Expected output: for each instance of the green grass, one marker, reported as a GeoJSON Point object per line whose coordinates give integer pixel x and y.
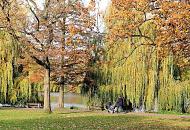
{"type": "Point", "coordinates": [173, 113]}
{"type": "Point", "coordinates": [24, 119]}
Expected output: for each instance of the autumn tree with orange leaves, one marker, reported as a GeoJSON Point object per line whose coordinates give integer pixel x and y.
{"type": "Point", "coordinates": [50, 34]}
{"type": "Point", "coordinates": [78, 27]}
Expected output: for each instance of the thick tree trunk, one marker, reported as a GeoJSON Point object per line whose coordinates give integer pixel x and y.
{"type": "Point", "coordinates": [61, 96]}
{"type": "Point", "coordinates": [61, 87]}
{"type": "Point", "coordinates": [47, 105]}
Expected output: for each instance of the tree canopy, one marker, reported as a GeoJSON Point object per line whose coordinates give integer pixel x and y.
{"type": "Point", "coordinates": [143, 53]}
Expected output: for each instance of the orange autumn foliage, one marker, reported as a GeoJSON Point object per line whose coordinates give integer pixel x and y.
{"type": "Point", "coordinates": [170, 20]}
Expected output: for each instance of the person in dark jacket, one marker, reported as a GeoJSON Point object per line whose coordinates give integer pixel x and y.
{"type": "Point", "coordinates": [119, 104]}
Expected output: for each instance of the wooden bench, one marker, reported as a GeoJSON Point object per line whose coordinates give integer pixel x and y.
{"type": "Point", "coordinates": [34, 105]}
{"type": "Point", "coordinates": [5, 105]}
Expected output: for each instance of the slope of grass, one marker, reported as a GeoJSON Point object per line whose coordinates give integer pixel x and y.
{"type": "Point", "coordinates": [77, 120]}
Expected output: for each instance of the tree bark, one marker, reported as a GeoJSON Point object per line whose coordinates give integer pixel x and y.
{"type": "Point", "coordinates": [157, 86]}
{"type": "Point", "coordinates": [47, 105]}
{"type": "Point", "coordinates": [61, 87]}
{"type": "Point", "coordinates": [147, 78]}
{"type": "Point", "coordinates": [61, 96]}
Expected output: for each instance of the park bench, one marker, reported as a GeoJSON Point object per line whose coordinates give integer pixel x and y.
{"type": "Point", "coordinates": [34, 105]}
{"type": "Point", "coordinates": [5, 105]}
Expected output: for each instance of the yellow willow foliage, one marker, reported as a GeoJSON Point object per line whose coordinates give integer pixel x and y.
{"type": "Point", "coordinates": [138, 74]}
{"type": "Point", "coordinates": [11, 88]}
{"type": "Point", "coordinates": [22, 89]}
{"type": "Point", "coordinates": [6, 61]}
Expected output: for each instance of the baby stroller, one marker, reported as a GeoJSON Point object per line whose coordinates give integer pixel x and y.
{"type": "Point", "coordinates": [110, 108]}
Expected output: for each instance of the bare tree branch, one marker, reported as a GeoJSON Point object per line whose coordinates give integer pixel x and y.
{"type": "Point", "coordinates": [33, 12]}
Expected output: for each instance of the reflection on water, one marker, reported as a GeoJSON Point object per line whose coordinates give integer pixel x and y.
{"type": "Point", "coordinates": [70, 99]}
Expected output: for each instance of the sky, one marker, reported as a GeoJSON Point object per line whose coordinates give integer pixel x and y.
{"type": "Point", "coordinates": [103, 4]}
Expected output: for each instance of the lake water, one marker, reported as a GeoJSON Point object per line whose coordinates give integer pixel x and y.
{"type": "Point", "coordinates": [70, 99]}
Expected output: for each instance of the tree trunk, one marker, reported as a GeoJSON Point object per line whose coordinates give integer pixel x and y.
{"type": "Point", "coordinates": [61, 87]}
{"type": "Point", "coordinates": [147, 78]}
{"type": "Point", "coordinates": [7, 89]}
{"type": "Point", "coordinates": [47, 105]}
{"type": "Point", "coordinates": [157, 86]}
{"type": "Point", "coordinates": [61, 96]}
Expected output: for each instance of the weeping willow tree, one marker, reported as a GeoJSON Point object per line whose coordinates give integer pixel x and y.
{"type": "Point", "coordinates": [15, 86]}
{"type": "Point", "coordinates": [137, 64]}
{"type": "Point", "coordinates": [136, 77]}
{"type": "Point", "coordinates": [8, 57]}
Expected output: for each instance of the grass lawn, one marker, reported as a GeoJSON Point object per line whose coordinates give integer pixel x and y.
{"type": "Point", "coordinates": [30, 119]}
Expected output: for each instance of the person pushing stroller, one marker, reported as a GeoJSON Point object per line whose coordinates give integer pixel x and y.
{"type": "Point", "coordinates": [117, 107]}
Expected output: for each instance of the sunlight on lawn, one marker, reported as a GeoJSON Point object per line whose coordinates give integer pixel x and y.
{"type": "Point", "coordinates": [76, 119]}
